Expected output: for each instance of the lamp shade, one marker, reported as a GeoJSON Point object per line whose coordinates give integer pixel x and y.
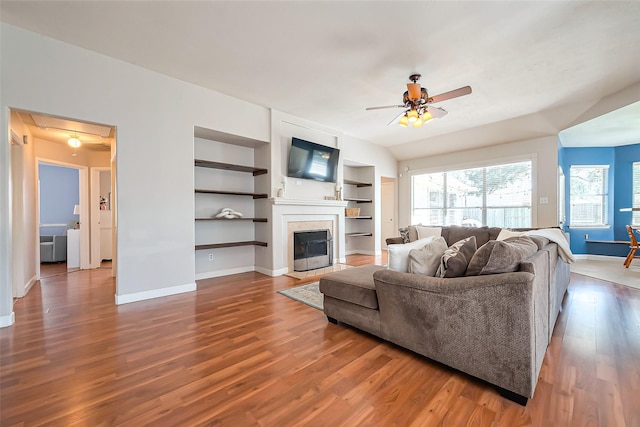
{"type": "Point", "coordinates": [404, 121]}
{"type": "Point", "coordinates": [427, 116]}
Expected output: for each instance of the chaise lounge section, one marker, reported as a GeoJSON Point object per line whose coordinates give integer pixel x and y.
{"type": "Point", "coordinates": [495, 327]}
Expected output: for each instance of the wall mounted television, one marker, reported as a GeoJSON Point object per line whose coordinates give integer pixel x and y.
{"type": "Point", "coordinates": [308, 160]}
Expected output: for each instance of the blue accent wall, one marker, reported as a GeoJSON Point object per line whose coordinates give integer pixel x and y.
{"type": "Point", "coordinates": [59, 193]}
{"type": "Point", "coordinates": [620, 161]}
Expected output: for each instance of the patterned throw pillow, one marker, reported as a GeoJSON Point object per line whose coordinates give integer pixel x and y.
{"type": "Point", "coordinates": [404, 233]}
{"type": "Point", "coordinates": [456, 258]}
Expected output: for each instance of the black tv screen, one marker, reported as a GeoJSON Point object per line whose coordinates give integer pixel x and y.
{"type": "Point", "coordinates": [308, 160]}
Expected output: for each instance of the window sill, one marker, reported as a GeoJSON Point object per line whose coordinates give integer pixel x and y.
{"type": "Point", "coordinates": [571, 227]}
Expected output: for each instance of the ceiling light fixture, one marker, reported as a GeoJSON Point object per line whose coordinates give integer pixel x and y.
{"type": "Point", "coordinates": [74, 142]}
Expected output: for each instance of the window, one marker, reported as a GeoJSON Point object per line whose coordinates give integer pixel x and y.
{"type": "Point", "coordinates": [588, 196]}
{"type": "Point", "coordinates": [636, 192]}
{"type": "Point", "coordinates": [497, 196]}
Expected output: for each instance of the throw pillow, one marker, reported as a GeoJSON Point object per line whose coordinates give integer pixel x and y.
{"type": "Point", "coordinates": [424, 232]}
{"type": "Point", "coordinates": [399, 254]}
{"type": "Point", "coordinates": [426, 260]}
{"type": "Point", "coordinates": [501, 256]}
{"type": "Point", "coordinates": [506, 233]}
{"type": "Point", "coordinates": [404, 234]}
{"type": "Point", "coordinates": [455, 259]}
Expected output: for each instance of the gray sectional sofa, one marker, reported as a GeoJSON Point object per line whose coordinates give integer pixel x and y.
{"type": "Point", "coordinates": [495, 327]}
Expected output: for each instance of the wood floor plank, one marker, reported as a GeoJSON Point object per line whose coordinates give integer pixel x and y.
{"type": "Point", "coordinates": [236, 353]}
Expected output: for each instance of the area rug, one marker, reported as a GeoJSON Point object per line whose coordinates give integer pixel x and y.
{"type": "Point", "coordinates": [610, 270]}
{"type": "Point", "coordinates": [317, 272]}
{"type": "Point", "coordinates": [307, 294]}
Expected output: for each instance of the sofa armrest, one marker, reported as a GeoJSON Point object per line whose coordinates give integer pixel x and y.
{"type": "Point", "coordinates": [493, 327]}
{"type": "Point", "coordinates": [394, 241]}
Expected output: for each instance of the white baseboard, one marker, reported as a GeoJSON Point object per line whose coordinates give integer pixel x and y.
{"type": "Point", "coordinates": [272, 273]}
{"type": "Point", "coordinates": [156, 293]}
{"type": "Point", "coordinates": [596, 257]}
{"type": "Point", "coordinates": [30, 284]}
{"type": "Point", "coordinates": [227, 272]}
{"type": "Point", "coordinates": [7, 320]}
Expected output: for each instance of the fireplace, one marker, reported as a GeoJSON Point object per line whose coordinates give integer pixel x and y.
{"type": "Point", "coordinates": [312, 249]}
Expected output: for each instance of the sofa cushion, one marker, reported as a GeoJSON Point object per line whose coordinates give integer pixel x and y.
{"type": "Point", "coordinates": [424, 232]}
{"type": "Point", "coordinates": [398, 255]}
{"type": "Point", "coordinates": [426, 260]}
{"type": "Point", "coordinates": [354, 285]}
{"type": "Point", "coordinates": [455, 259]}
{"type": "Point", "coordinates": [457, 233]}
{"type": "Point", "coordinates": [501, 256]}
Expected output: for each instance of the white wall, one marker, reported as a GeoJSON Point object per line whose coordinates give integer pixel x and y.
{"type": "Point", "coordinates": [283, 127]}
{"type": "Point", "coordinates": [543, 152]}
{"type": "Point", "coordinates": [25, 230]}
{"type": "Point", "coordinates": [155, 117]}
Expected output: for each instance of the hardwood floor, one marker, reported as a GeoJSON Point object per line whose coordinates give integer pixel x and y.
{"type": "Point", "coordinates": [236, 353]}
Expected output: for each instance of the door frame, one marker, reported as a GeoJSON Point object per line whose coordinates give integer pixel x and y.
{"type": "Point", "coordinates": [388, 182]}
{"type": "Point", "coordinates": [94, 210]}
{"type": "Point", "coordinates": [83, 188]}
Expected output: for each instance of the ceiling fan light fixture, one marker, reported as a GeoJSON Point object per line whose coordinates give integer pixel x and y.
{"type": "Point", "coordinates": [426, 117]}
{"type": "Point", "coordinates": [413, 116]}
{"type": "Point", "coordinates": [404, 121]}
{"type": "Point", "coordinates": [74, 142]}
{"type": "Point", "coordinates": [414, 90]}
{"type": "Point", "coordinates": [418, 123]}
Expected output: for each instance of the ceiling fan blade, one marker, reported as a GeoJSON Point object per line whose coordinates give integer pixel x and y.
{"type": "Point", "coordinates": [466, 90]}
{"type": "Point", "coordinates": [383, 107]}
{"type": "Point", "coordinates": [395, 119]}
{"type": "Point", "coordinates": [437, 112]}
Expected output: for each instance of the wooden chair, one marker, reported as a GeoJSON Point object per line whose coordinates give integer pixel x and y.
{"type": "Point", "coordinates": [633, 246]}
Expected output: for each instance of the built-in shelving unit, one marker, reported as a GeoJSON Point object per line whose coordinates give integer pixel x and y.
{"type": "Point", "coordinates": [233, 193]}
{"type": "Point", "coordinates": [227, 175]}
{"type": "Point", "coordinates": [229, 167]}
{"type": "Point", "coordinates": [357, 183]}
{"type": "Point", "coordinates": [354, 199]}
{"type": "Point", "coordinates": [230, 245]}
{"type": "Point", "coordinates": [358, 191]}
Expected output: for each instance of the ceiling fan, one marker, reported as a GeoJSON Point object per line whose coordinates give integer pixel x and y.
{"type": "Point", "coordinates": [417, 103]}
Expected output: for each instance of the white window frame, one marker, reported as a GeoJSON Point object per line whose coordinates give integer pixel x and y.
{"type": "Point", "coordinates": [483, 165]}
{"type": "Point", "coordinates": [635, 194]}
{"type": "Point", "coordinates": [604, 196]}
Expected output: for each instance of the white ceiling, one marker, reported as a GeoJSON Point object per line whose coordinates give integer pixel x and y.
{"type": "Point", "coordinates": [327, 61]}
{"type": "Point", "coordinates": [93, 136]}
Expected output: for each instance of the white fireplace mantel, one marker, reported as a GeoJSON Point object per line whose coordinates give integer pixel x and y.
{"type": "Point", "coordinates": [285, 210]}
{"type": "Point", "coordinates": [304, 202]}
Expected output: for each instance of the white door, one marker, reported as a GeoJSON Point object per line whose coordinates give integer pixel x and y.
{"type": "Point", "coordinates": [388, 228]}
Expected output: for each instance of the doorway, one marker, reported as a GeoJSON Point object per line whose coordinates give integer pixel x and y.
{"type": "Point", "coordinates": [65, 143]}
{"type": "Point", "coordinates": [60, 200]}
{"type": "Point", "coordinates": [389, 210]}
